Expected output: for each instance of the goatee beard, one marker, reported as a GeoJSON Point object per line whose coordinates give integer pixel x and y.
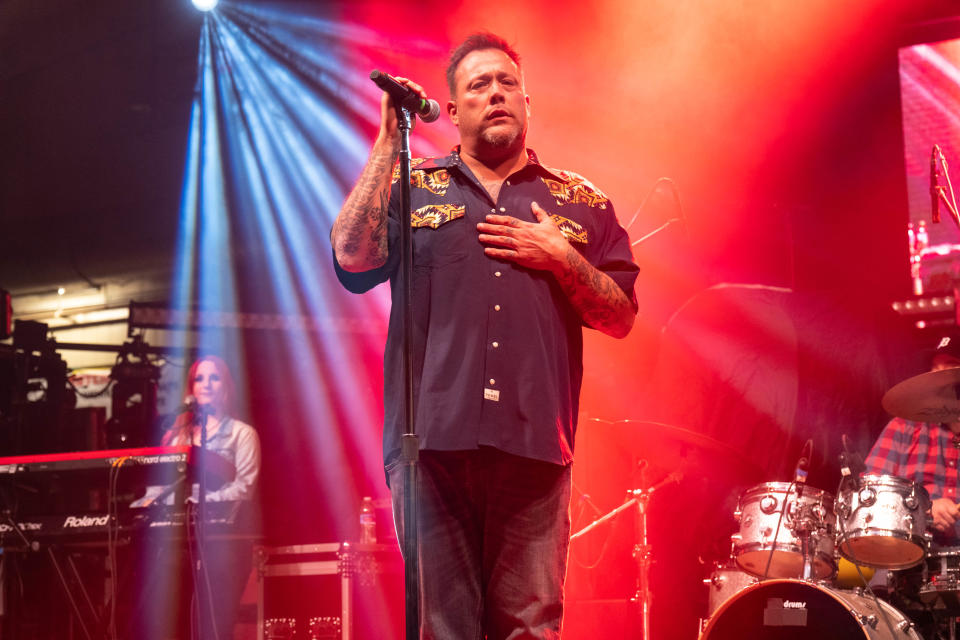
{"type": "Point", "coordinates": [501, 140]}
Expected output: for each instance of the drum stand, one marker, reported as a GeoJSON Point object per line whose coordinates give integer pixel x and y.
{"type": "Point", "coordinates": [641, 554]}
{"type": "Point", "coordinates": [807, 574]}
{"type": "Point", "coordinates": [805, 524]}
{"type": "Point", "coordinates": [641, 550]}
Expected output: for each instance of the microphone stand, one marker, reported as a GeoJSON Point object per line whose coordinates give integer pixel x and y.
{"type": "Point", "coordinates": [409, 442]}
{"type": "Point", "coordinates": [642, 550]}
{"type": "Point", "coordinates": [941, 193]}
{"type": "Point", "coordinates": [200, 568]}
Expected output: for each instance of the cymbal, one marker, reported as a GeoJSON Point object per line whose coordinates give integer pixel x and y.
{"type": "Point", "coordinates": [929, 397]}
{"type": "Point", "coordinates": [668, 448]}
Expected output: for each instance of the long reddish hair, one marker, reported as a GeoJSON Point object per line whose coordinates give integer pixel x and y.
{"type": "Point", "coordinates": [180, 431]}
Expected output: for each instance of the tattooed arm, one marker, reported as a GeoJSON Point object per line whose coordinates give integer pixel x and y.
{"type": "Point", "coordinates": [359, 234]}
{"type": "Point", "coordinates": [601, 303]}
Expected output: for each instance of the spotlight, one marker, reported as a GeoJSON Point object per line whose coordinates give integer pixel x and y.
{"type": "Point", "coordinates": [205, 5]}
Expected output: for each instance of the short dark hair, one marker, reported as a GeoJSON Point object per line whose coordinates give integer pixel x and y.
{"type": "Point", "coordinates": [477, 42]}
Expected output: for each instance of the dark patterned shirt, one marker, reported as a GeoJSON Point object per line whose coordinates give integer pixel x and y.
{"type": "Point", "coordinates": [497, 348]}
{"type": "Point", "coordinates": [923, 452]}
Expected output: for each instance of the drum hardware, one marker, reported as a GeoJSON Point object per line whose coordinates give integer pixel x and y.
{"type": "Point", "coordinates": [940, 587]}
{"type": "Point", "coordinates": [677, 448]}
{"type": "Point", "coordinates": [932, 589]}
{"type": "Point", "coordinates": [811, 520]}
{"type": "Point", "coordinates": [639, 498]}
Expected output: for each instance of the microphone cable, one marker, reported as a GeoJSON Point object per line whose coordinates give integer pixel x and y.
{"type": "Point", "coordinates": [675, 191]}
{"type": "Point", "coordinates": [776, 533]}
{"type": "Point", "coordinates": [583, 502]}
{"type": "Point", "coordinates": [799, 479]}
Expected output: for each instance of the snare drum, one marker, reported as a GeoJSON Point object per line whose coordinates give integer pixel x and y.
{"type": "Point", "coordinates": [795, 609]}
{"type": "Point", "coordinates": [883, 522]}
{"type": "Point", "coordinates": [760, 541]}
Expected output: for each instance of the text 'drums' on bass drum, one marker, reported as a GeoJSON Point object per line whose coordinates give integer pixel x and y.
{"type": "Point", "coordinates": [798, 610]}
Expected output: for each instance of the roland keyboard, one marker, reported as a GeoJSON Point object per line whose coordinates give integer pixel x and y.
{"type": "Point", "coordinates": [223, 520]}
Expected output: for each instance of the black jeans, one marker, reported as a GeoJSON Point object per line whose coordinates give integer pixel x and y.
{"type": "Point", "coordinates": [494, 533]}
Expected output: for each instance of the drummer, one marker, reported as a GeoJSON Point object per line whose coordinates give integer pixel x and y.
{"type": "Point", "coordinates": [927, 453]}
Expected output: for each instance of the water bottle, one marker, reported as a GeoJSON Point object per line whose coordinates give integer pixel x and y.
{"type": "Point", "coordinates": [914, 260]}
{"type": "Point", "coordinates": [368, 521]}
{"type": "Point", "coordinates": [922, 242]}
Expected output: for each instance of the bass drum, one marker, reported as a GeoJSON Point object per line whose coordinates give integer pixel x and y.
{"type": "Point", "coordinates": [798, 610]}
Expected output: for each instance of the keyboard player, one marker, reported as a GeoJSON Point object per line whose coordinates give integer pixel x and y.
{"type": "Point", "coordinates": [228, 562]}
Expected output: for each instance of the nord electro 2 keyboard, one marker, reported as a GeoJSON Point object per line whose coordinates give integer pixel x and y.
{"type": "Point", "coordinates": [36, 477]}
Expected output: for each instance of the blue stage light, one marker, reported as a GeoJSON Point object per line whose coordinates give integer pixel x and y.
{"type": "Point", "coordinates": [281, 126]}
{"type": "Point", "coordinates": [205, 5]}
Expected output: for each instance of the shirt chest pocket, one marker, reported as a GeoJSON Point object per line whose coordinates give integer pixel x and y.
{"type": "Point", "coordinates": [440, 234]}
{"type": "Point", "coordinates": [575, 233]}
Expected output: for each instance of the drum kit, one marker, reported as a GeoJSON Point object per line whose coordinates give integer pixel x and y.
{"type": "Point", "coordinates": [788, 550]}
{"type": "Point", "coordinates": [783, 578]}
{"type": "Point", "coordinates": [808, 564]}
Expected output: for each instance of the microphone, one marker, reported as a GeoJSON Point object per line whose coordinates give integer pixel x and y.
{"type": "Point", "coordinates": [428, 110]}
{"type": "Point", "coordinates": [189, 405]}
{"type": "Point", "coordinates": [800, 473]}
{"type": "Point", "coordinates": [934, 180]}
{"type": "Point", "coordinates": [854, 463]}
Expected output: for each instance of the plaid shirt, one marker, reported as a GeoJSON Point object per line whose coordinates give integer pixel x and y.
{"type": "Point", "coordinates": [923, 452]}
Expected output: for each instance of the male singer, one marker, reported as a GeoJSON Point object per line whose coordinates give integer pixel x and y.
{"type": "Point", "coordinates": [511, 258]}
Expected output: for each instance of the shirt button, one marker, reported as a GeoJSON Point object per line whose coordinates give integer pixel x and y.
{"type": "Point", "coordinates": [496, 307]}
{"type": "Point", "coordinates": [496, 273]}
{"type": "Point", "coordinates": [493, 210]}
{"type": "Point", "coordinates": [507, 182]}
{"type": "Point", "coordinates": [492, 381]}
{"type": "Point", "coordinates": [496, 344]}
{"type": "Point", "coordinates": [503, 209]}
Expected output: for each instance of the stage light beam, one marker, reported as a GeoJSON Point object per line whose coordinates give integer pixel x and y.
{"type": "Point", "coordinates": [205, 5]}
